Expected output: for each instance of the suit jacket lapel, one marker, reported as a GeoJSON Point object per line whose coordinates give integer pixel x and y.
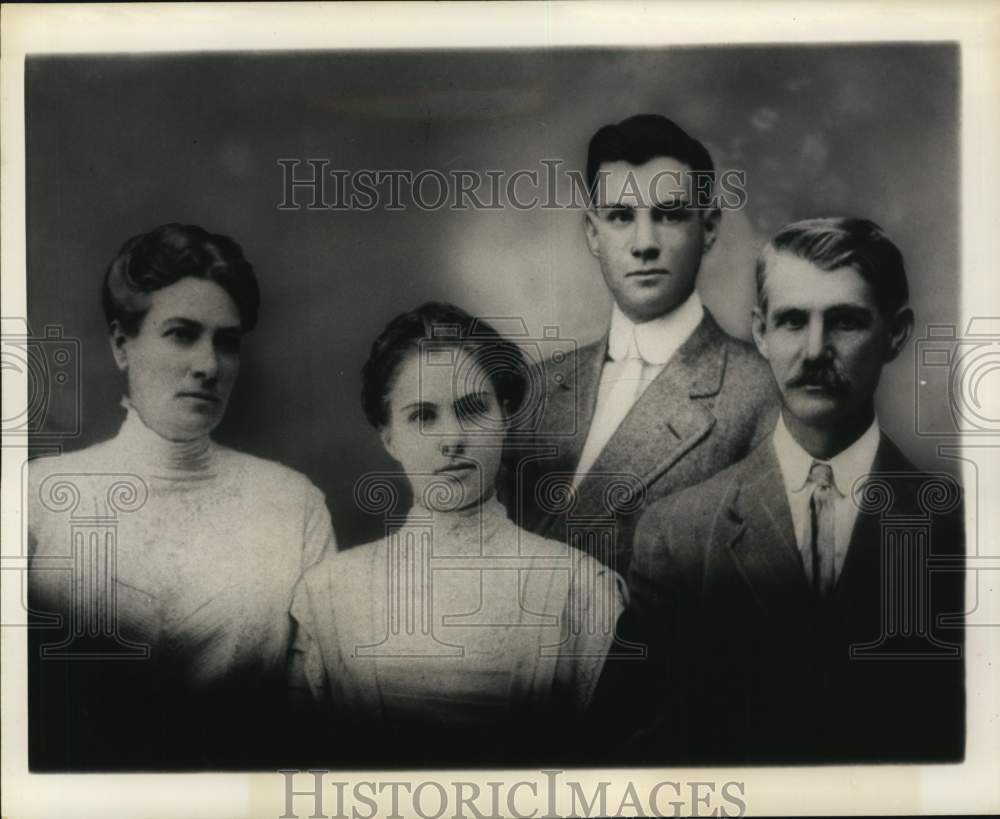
{"type": "Point", "coordinates": [571, 402]}
{"type": "Point", "coordinates": [671, 416]}
{"type": "Point", "coordinates": [860, 577]}
{"type": "Point", "coordinates": [760, 535]}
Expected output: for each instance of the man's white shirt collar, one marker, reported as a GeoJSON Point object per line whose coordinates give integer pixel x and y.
{"type": "Point", "coordinates": [657, 339]}
{"type": "Point", "coordinates": [847, 465]}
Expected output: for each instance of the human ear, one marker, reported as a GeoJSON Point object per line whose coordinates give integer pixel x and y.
{"type": "Point", "coordinates": [119, 348]}
{"type": "Point", "coordinates": [385, 433]}
{"type": "Point", "coordinates": [590, 227]}
{"type": "Point", "coordinates": [900, 328]}
{"type": "Point", "coordinates": [758, 323]}
{"type": "Point", "coordinates": [710, 221]}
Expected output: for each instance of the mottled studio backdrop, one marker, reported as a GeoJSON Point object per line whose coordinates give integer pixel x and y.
{"type": "Point", "coordinates": [117, 145]}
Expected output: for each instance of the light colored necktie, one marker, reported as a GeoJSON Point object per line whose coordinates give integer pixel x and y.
{"type": "Point", "coordinates": [620, 398]}
{"type": "Point", "coordinates": [823, 542]}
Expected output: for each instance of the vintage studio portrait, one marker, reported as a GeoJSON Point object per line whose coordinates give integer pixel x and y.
{"type": "Point", "coordinates": [416, 409]}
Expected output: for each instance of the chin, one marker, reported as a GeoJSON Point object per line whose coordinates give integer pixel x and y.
{"type": "Point", "coordinates": [816, 411]}
{"type": "Point", "coordinates": [649, 309]}
{"type": "Point", "coordinates": [190, 431]}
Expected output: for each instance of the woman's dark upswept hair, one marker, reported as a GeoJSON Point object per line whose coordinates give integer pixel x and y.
{"type": "Point", "coordinates": [151, 261]}
{"type": "Point", "coordinates": [443, 325]}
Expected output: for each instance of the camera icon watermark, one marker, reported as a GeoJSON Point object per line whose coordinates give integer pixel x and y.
{"type": "Point", "coordinates": [541, 362]}
{"type": "Point", "coordinates": [50, 363]}
{"type": "Point", "coordinates": [958, 379]}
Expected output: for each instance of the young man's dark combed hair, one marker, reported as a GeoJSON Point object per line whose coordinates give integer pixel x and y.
{"type": "Point", "coordinates": [643, 137]}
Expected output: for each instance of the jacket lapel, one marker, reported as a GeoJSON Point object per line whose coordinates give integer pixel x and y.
{"type": "Point", "coordinates": [571, 401]}
{"type": "Point", "coordinates": [671, 416]}
{"type": "Point", "coordinates": [759, 534]}
{"type": "Point", "coordinates": [860, 577]}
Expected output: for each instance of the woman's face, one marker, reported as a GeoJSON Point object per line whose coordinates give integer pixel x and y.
{"type": "Point", "coordinates": [445, 427]}
{"type": "Point", "coordinates": [182, 364]}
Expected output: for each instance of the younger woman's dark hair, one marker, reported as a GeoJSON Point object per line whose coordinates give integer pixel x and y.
{"type": "Point", "coordinates": [441, 326]}
{"type": "Point", "coordinates": [167, 254]}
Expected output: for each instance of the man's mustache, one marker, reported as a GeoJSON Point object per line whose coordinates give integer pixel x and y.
{"type": "Point", "coordinates": [819, 375]}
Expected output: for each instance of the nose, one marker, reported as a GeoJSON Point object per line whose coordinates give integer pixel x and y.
{"type": "Point", "coordinates": [205, 361]}
{"type": "Point", "coordinates": [452, 448]}
{"type": "Point", "coordinates": [645, 244]}
{"type": "Point", "coordinates": [453, 438]}
{"type": "Point", "coordinates": [816, 346]}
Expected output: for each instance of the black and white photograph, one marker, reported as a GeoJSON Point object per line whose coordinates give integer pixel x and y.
{"type": "Point", "coordinates": [533, 407]}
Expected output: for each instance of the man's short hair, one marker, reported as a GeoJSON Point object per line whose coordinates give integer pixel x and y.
{"type": "Point", "coordinates": [836, 242]}
{"type": "Point", "coordinates": [638, 139]}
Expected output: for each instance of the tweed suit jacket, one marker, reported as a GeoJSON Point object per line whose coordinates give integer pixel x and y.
{"type": "Point", "coordinates": [711, 402]}
{"type": "Point", "coordinates": [750, 666]}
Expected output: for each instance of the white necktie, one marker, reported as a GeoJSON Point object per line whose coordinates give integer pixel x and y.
{"type": "Point", "coordinates": [613, 407]}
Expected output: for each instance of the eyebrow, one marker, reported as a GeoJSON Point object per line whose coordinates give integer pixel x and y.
{"type": "Point", "coordinates": [471, 395]}
{"type": "Point", "coordinates": [833, 309]}
{"type": "Point", "coordinates": [848, 308]}
{"type": "Point", "coordinates": [227, 328]}
{"type": "Point", "coordinates": [678, 202]}
{"type": "Point", "coordinates": [419, 404]}
{"type": "Point", "coordinates": [673, 203]}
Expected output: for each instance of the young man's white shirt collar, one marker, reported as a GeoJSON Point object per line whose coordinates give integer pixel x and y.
{"type": "Point", "coordinates": [656, 341]}
{"type": "Point", "coordinates": [848, 465]}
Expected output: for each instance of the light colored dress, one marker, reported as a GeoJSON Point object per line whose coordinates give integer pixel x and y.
{"type": "Point", "coordinates": [209, 544]}
{"type": "Point", "coordinates": [179, 557]}
{"type": "Point", "coordinates": [458, 619]}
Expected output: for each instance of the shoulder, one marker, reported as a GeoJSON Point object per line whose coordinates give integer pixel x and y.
{"type": "Point", "coordinates": [912, 489]}
{"type": "Point", "coordinates": [890, 457]}
{"type": "Point", "coordinates": [746, 375]}
{"type": "Point", "coordinates": [692, 501]}
{"type": "Point", "coordinates": [271, 476]}
{"type": "Point", "coordinates": [586, 575]}
{"type": "Point", "coordinates": [345, 569]}
{"type": "Point", "coordinates": [71, 471]}
{"type": "Point", "coordinates": [571, 357]}
{"type": "Point", "coordinates": [746, 367]}
{"type": "Point", "coordinates": [88, 458]}
{"type": "Point", "coordinates": [682, 521]}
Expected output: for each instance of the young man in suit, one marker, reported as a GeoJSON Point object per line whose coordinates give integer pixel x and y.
{"type": "Point", "coordinates": [665, 398]}
{"type": "Point", "coordinates": [797, 604]}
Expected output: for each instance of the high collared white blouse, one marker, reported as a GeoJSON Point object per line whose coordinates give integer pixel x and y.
{"type": "Point", "coordinates": [453, 618]}
{"type": "Point", "coordinates": [207, 545]}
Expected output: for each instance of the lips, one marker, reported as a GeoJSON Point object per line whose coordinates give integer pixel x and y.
{"type": "Point", "coordinates": [821, 386]}
{"type": "Point", "coordinates": [204, 396]}
{"type": "Point", "coordinates": [453, 468]}
{"type": "Point", "coordinates": [653, 271]}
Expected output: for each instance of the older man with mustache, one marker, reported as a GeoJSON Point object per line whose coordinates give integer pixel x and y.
{"type": "Point", "coordinates": [765, 593]}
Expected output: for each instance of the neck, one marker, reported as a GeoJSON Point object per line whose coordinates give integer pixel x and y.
{"type": "Point", "coordinates": [824, 443]}
{"type": "Point", "coordinates": [160, 457]}
{"type": "Point", "coordinates": [484, 503]}
{"type": "Point", "coordinates": [643, 318]}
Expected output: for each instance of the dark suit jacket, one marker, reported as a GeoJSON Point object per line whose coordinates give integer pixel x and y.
{"type": "Point", "coordinates": [751, 666]}
{"type": "Point", "coordinates": [712, 401]}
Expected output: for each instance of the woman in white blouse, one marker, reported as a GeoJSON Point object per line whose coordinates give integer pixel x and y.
{"type": "Point", "coordinates": [174, 604]}
{"type": "Point", "coordinates": [456, 620]}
